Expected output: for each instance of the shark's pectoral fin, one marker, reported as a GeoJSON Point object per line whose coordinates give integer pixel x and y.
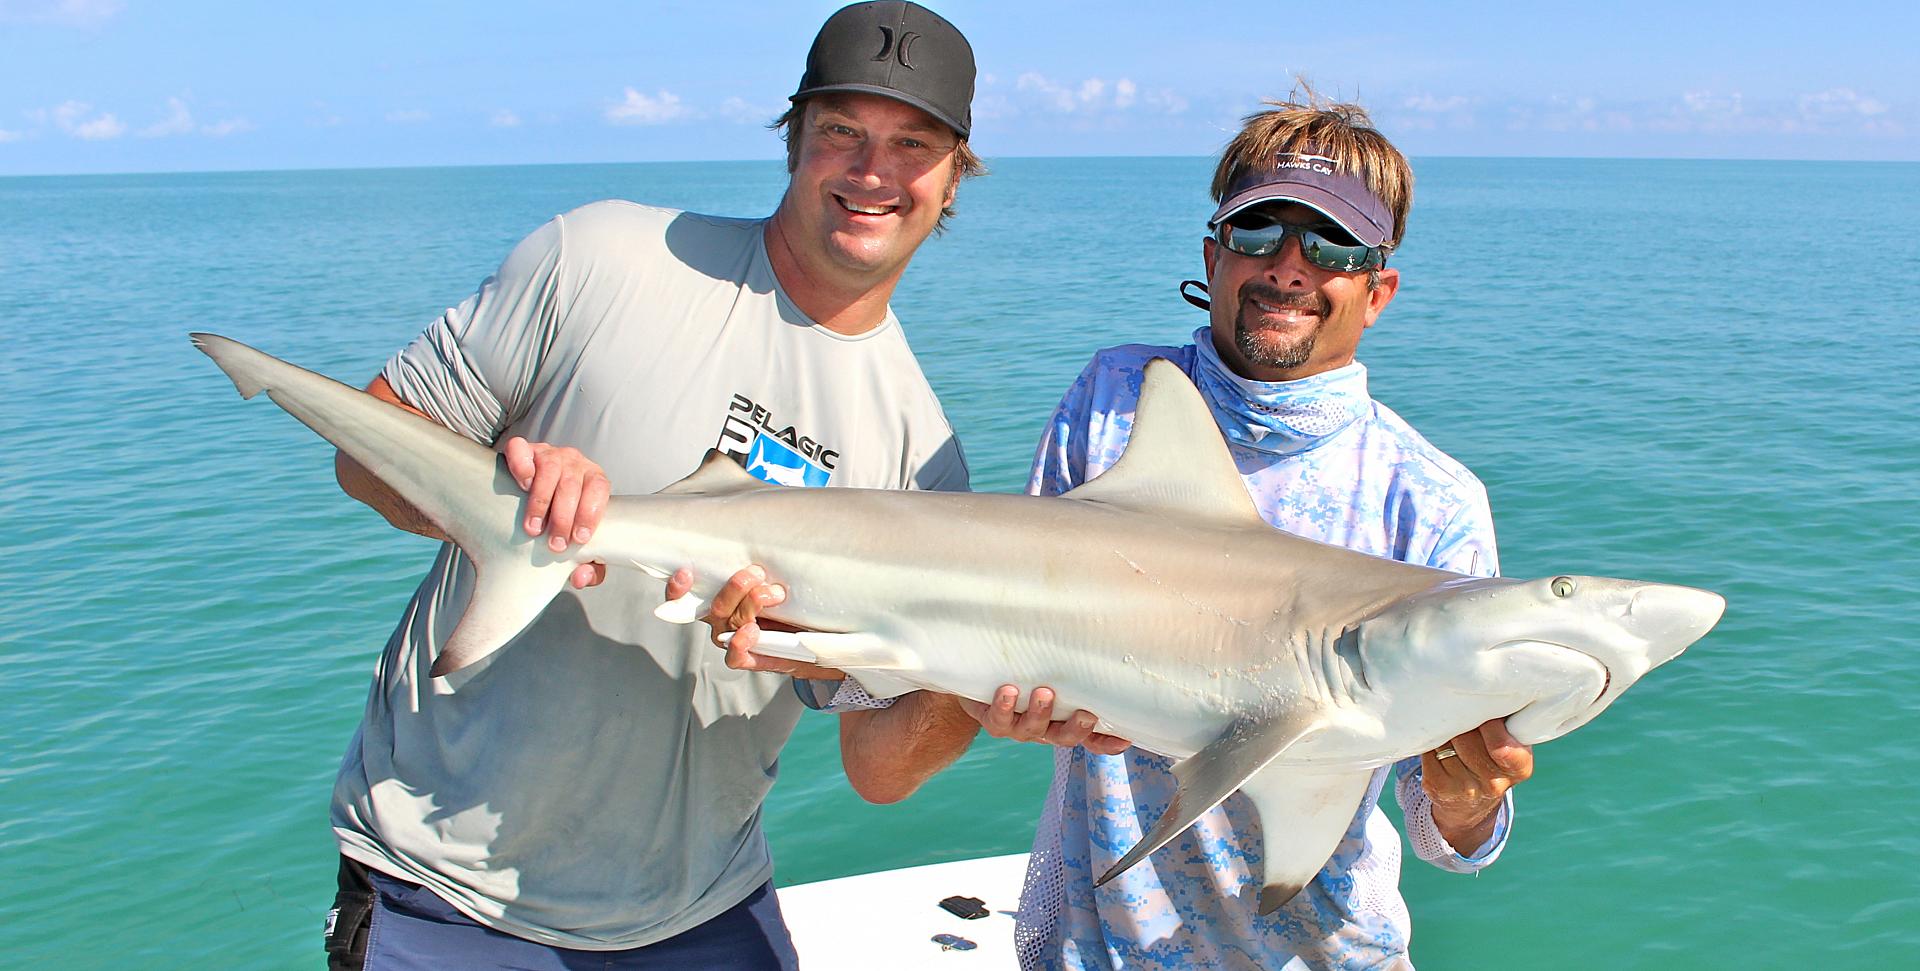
{"type": "Point", "coordinates": [1302, 817]}
{"type": "Point", "coordinates": [864, 656]}
{"type": "Point", "coordinates": [1213, 773]}
{"type": "Point", "coordinates": [507, 595]}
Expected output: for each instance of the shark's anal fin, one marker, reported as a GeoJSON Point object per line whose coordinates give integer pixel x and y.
{"type": "Point", "coordinates": [865, 657]}
{"type": "Point", "coordinates": [1213, 773]}
{"type": "Point", "coordinates": [1302, 817]}
{"type": "Point", "coordinates": [1176, 464]}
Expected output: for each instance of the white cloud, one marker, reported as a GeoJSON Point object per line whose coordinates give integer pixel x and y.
{"type": "Point", "coordinates": [12, 136]}
{"type": "Point", "coordinates": [504, 118]}
{"type": "Point", "coordinates": [992, 107]}
{"type": "Point", "coordinates": [179, 121]}
{"type": "Point", "coordinates": [745, 112]}
{"type": "Point", "coordinates": [1166, 102]}
{"type": "Point", "coordinates": [1839, 103]}
{"type": "Point", "coordinates": [1429, 104]}
{"type": "Point", "coordinates": [100, 129]}
{"type": "Point", "coordinates": [225, 127]}
{"type": "Point", "coordinates": [326, 117]}
{"type": "Point", "coordinates": [1055, 95]}
{"type": "Point", "coordinates": [59, 13]}
{"type": "Point", "coordinates": [1428, 112]}
{"type": "Point", "coordinates": [1713, 103]}
{"type": "Point", "coordinates": [1091, 94]}
{"type": "Point", "coordinates": [408, 116]}
{"type": "Point", "coordinates": [1088, 96]}
{"type": "Point", "coordinates": [641, 109]}
{"type": "Point", "coordinates": [1835, 111]}
{"type": "Point", "coordinates": [71, 117]}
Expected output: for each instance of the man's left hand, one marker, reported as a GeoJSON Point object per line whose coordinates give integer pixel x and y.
{"type": "Point", "coordinates": [736, 609]}
{"type": "Point", "coordinates": [1467, 787]}
{"type": "Point", "coordinates": [1036, 724]}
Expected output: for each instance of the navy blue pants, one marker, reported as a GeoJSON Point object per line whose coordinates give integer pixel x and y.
{"type": "Point", "coordinates": [383, 924]}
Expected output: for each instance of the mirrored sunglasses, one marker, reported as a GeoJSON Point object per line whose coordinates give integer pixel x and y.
{"type": "Point", "coordinates": [1266, 238]}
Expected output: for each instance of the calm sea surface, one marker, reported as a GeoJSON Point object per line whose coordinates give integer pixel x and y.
{"type": "Point", "coordinates": [1701, 372]}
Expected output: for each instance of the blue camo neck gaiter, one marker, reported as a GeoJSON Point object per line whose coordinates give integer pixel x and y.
{"type": "Point", "coordinates": [1279, 417]}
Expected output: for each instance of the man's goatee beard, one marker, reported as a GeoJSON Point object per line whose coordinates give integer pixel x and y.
{"type": "Point", "coordinates": [1278, 354]}
{"type": "Point", "coordinates": [1275, 352]}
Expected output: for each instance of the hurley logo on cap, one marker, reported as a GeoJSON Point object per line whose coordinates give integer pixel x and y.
{"type": "Point", "coordinates": [899, 53]}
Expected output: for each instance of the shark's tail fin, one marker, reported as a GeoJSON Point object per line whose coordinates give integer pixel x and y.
{"type": "Point", "coordinates": [459, 484]}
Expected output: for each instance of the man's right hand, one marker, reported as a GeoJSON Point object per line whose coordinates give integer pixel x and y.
{"type": "Point", "coordinates": [1036, 724]}
{"type": "Point", "coordinates": [566, 493]}
{"type": "Point", "coordinates": [566, 496]}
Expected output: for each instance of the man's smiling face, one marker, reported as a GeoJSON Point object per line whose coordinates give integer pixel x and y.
{"type": "Point", "coordinates": [870, 178]}
{"type": "Point", "coordinates": [1281, 318]}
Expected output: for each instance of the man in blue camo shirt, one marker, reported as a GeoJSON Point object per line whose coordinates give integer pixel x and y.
{"type": "Point", "coordinates": [1312, 200]}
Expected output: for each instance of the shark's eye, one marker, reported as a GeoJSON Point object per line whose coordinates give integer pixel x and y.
{"type": "Point", "coordinates": [1561, 586]}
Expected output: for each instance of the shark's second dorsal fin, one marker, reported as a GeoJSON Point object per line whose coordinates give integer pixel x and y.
{"type": "Point", "coordinates": [716, 476]}
{"type": "Point", "coordinates": [1176, 463]}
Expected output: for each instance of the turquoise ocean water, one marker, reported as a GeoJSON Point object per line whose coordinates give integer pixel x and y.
{"type": "Point", "coordinates": [1692, 371]}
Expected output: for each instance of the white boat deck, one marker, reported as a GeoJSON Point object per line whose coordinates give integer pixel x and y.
{"type": "Point", "coordinates": [889, 920]}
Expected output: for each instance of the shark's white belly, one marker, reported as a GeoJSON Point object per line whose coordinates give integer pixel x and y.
{"type": "Point", "coordinates": [1187, 637]}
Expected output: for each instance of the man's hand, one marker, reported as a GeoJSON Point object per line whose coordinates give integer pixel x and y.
{"type": "Point", "coordinates": [566, 496]}
{"type": "Point", "coordinates": [736, 609]}
{"type": "Point", "coordinates": [1036, 724]}
{"type": "Point", "coordinates": [1466, 787]}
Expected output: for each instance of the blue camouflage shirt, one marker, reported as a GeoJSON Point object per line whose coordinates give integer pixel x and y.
{"type": "Point", "coordinates": [1322, 460]}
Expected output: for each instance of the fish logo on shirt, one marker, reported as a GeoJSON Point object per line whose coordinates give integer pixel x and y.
{"type": "Point", "coordinates": [772, 452]}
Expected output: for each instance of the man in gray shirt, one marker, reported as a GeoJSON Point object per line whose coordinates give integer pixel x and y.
{"type": "Point", "coordinates": [596, 786]}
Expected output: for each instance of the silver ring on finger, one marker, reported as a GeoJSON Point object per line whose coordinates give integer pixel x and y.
{"type": "Point", "coordinates": [1445, 752]}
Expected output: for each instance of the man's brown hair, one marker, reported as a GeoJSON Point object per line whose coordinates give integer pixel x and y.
{"type": "Point", "coordinates": [966, 164]}
{"type": "Point", "coordinates": [1343, 131]}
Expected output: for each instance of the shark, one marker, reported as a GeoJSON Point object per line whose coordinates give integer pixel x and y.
{"type": "Point", "coordinates": [1153, 595]}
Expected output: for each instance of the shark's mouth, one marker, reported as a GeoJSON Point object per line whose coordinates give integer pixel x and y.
{"type": "Point", "coordinates": [1577, 687]}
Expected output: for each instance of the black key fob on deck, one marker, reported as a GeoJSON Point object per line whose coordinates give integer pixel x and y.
{"type": "Point", "coordinates": [967, 908]}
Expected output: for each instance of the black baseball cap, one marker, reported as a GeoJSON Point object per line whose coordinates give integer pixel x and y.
{"type": "Point", "coordinates": [896, 50]}
{"type": "Point", "coordinates": [1313, 178]}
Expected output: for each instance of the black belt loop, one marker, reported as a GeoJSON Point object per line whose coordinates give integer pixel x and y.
{"type": "Point", "coordinates": [353, 876]}
{"type": "Point", "coordinates": [350, 918]}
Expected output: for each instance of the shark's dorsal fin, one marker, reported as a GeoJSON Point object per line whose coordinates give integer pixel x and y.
{"type": "Point", "coordinates": [716, 476]}
{"type": "Point", "coordinates": [1176, 464]}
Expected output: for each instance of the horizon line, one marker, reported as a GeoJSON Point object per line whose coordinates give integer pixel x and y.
{"type": "Point", "coordinates": [775, 160]}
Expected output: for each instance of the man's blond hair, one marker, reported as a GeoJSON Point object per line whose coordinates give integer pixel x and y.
{"type": "Point", "coordinates": [1336, 129]}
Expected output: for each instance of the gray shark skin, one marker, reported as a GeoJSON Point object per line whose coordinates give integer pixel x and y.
{"type": "Point", "coordinates": [1153, 595]}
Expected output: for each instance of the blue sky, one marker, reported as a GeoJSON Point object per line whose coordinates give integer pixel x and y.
{"type": "Point", "coordinates": [142, 85]}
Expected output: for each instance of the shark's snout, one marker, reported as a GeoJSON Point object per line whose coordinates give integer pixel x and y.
{"type": "Point", "coordinates": [1670, 617]}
